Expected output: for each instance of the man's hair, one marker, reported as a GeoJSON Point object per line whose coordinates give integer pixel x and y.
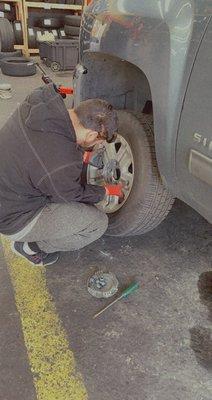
{"type": "Point", "coordinates": [98, 115]}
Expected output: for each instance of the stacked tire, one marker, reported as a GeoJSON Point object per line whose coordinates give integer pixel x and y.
{"type": "Point", "coordinates": [18, 32]}
{"type": "Point", "coordinates": [7, 38]}
{"type": "Point", "coordinates": [52, 25]}
{"type": "Point", "coordinates": [58, 26]}
{"type": "Point", "coordinates": [7, 11]}
{"type": "Point", "coordinates": [72, 26]}
{"type": "Point", "coordinates": [5, 8]}
{"type": "Point", "coordinates": [18, 66]}
{"type": "Point", "coordinates": [61, 33]}
{"type": "Point", "coordinates": [51, 22]}
{"type": "Point", "coordinates": [11, 62]}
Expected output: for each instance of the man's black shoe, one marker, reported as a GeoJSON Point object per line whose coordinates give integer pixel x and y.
{"type": "Point", "coordinates": [39, 258]}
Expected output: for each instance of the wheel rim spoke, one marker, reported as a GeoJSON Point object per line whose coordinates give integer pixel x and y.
{"type": "Point", "coordinates": [110, 151]}
{"type": "Point", "coordinates": [127, 178]}
{"type": "Point", "coordinates": [121, 152]}
{"type": "Point", "coordinates": [125, 161]}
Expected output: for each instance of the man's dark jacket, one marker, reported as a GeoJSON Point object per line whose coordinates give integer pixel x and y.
{"type": "Point", "coordinates": [40, 161]}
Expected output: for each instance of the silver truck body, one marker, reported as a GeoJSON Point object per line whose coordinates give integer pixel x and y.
{"type": "Point", "coordinates": [159, 50]}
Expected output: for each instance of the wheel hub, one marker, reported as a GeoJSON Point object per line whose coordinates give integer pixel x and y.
{"type": "Point", "coordinates": [112, 163]}
{"type": "Point", "coordinates": [111, 172]}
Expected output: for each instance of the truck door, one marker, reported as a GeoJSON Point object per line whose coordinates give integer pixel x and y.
{"type": "Point", "coordinates": [194, 146]}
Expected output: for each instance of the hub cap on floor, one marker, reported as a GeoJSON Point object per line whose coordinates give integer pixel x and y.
{"type": "Point", "coordinates": [117, 166]}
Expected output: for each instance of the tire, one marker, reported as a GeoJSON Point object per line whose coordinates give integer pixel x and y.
{"type": "Point", "coordinates": [71, 30]}
{"type": "Point", "coordinates": [5, 7]}
{"type": "Point", "coordinates": [32, 37]}
{"type": "Point", "coordinates": [76, 38]}
{"type": "Point", "coordinates": [50, 23]}
{"type": "Point", "coordinates": [9, 54]}
{"type": "Point", "coordinates": [73, 20]}
{"type": "Point", "coordinates": [54, 32]}
{"type": "Point", "coordinates": [149, 201]}
{"type": "Point", "coordinates": [61, 33]}
{"type": "Point", "coordinates": [9, 15]}
{"type": "Point", "coordinates": [18, 66]}
{"type": "Point", "coordinates": [44, 35]}
{"type": "Point", "coordinates": [7, 38]}
{"type": "Point", "coordinates": [18, 32]}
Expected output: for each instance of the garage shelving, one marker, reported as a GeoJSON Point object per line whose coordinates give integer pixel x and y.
{"type": "Point", "coordinates": [27, 5]}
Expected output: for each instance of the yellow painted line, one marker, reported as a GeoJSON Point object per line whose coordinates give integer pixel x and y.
{"type": "Point", "coordinates": [51, 360]}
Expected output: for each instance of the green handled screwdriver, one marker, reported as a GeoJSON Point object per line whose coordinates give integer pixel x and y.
{"type": "Point", "coordinates": [129, 290]}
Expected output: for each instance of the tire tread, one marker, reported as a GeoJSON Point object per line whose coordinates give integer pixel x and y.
{"type": "Point", "coordinates": [7, 38]}
{"type": "Point", "coordinates": [158, 200]}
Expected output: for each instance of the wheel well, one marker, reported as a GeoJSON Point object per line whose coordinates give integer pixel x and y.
{"type": "Point", "coordinates": [121, 83]}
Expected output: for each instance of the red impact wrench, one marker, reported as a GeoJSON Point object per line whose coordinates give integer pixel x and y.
{"type": "Point", "coordinates": [63, 90]}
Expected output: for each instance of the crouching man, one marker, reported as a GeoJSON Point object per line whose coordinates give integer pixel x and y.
{"type": "Point", "coordinates": [44, 207]}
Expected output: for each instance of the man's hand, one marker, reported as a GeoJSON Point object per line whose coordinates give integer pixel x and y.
{"type": "Point", "coordinates": [114, 190]}
{"type": "Point", "coordinates": [87, 157]}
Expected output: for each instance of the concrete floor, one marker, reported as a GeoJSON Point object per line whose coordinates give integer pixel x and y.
{"type": "Point", "coordinates": [157, 345]}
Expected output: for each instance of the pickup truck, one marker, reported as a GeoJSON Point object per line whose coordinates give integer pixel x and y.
{"type": "Point", "coordinates": [151, 59]}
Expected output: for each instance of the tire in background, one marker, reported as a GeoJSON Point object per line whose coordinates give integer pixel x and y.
{"type": "Point", "coordinates": [72, 30]}
{"type": "Point", "coordinates": [46, 36]}
{"type": "Point", "coordinates": [61, 33]}
{"type": "Point", "coordinates": [7, 38]}
{"type": "Point", "coordinates": [50, 23]}
{"type": "Point", "coordinates": [73, 20]}
{"type": "Point", "coordinates": [18, 32]}
{"type": "Point", "coordinates": [18, 66]}
{"type": "Point", "coordinates": [5, 7]}
{"type": "Point", "coordinates": [149, 201]}
{"type": "Point", "coordinates": [54, 32]}
{"type": "Point", "coordinates": [9, 54]}
{"type": "Point", "coordinates": [32, 41]}
{"type": "Point", "coordinates": [9, 15]}
{"type": "Point", "coordinates": [34, 35]}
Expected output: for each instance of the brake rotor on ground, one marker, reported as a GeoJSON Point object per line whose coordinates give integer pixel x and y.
{"type": "Point", "coordinates": [102, 284]}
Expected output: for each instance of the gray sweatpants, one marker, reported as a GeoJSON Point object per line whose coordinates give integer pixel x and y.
{"type": "Point", "coordinates": [67, 227]}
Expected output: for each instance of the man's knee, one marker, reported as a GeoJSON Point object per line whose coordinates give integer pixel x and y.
{"type": "Point", "coordinates": [99, 224]}
{"type": "Point", "coordinates": [96, 226]}
{"type": "Point", "coordinates": [102, 222]}
{"type": "Point", "coordinates": [93, 231]}
{"type": "Point", "coordinates": [91, 215]}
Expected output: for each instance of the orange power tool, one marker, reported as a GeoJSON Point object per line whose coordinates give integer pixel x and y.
{"type": "Point", "coordinates": [63, 90]}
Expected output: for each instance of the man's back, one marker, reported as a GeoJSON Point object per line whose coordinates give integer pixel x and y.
{"type": "Point", "coordinates": [37, 140]}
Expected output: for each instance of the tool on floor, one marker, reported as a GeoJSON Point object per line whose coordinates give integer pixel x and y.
{"type": "Point", "coordinates": [5, 91]}
{"type": "Point", "coordinates": [63, 90]}
{"type": "Point", "coordinates": [128, 291]}
{"type": "Point", "coordinates": [102, 284]}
